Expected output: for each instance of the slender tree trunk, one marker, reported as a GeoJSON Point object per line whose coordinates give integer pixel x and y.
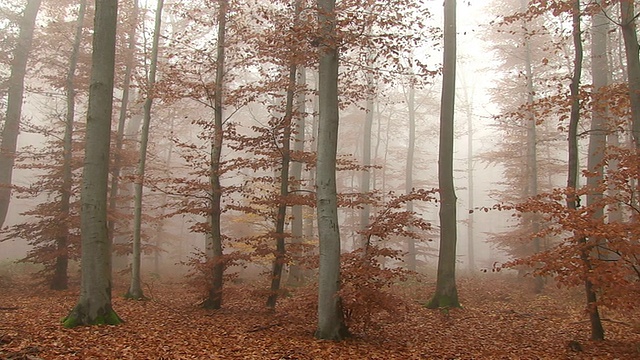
{"type": "Point", "coordinates": [597, 331]}
{"type": "Point", "coordinates": [446, 294]}
{"type": "Point", "coordinates": [159, 236]}
{"type": "Point", "coordinates": [471, 258]}
{"type": "Point", "coordinates": [532, 150]}
{"type": "Point", "coordinates": [365, 179]}
{"type": "Point", "coordinates": [120, 261]}
{"type": "Point", "coordinates": [135, 288]}
{"type": "Point", "coordinates": [94, 305]}
{"type": "Point", "coordinates": [60, 277]}
{"type": "Point", "coordinates": [331, 324]}
{"type": "Point", "coordinates": [296, 275]}
{"type": "Point", "coordinates": [15, 96]}
{"type": "Point", "coordinates": [598, 131]}
{"type": "Point", "coordinates": [214, 299]}
{"type": "Point", "coordinates": [278, 262]}
{"type": "Point", "coordinates": [408, 182]}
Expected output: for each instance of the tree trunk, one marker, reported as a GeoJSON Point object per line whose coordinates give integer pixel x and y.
{"type": "Point", "coordinates": [60, 277]}
{"type": "Point", "coordinates": [446, 294]}
{"type": "Point", "coordinates": [296, 275]}
{"type": "Point", "coordinates": [628, 20]}
{"type": "Point", "coordinates": [331, 324]}
{"type": "Point", "coordinates": [408, 183]}
{"type": "Point", "coordinates": [471, 258]}
{"type": "Point", "coordinates": [120, 261]}
{"type": "Point", "coordinates": [135, 289]}
{"type": "Point", "coordinates": [278, 262]}
{"type": "Point", "coordinates": [532, 150]}
{"type": "Point", "coordinates": [597, 331]}
{"type": "Point", "coordinates": [94, 305]}
{"type": "Point", "coordinates": [214, 299]}
{"type": "Point", "coordinates": [598, 130]}
{"type": "Point", "coordinates": [15, 96]}
{"type": "Point", "coordinates": [365, 180]}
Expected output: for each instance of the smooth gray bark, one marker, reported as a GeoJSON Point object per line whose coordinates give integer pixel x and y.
{"type": "Point", "coordinates": [632, 49]}
{"type": "Point", "coordinates": [365, 179]}
{"type": "Point", "coordinates": [296, 275]}
{"type": "Point", "coordinates": [214, 241]}
{"type": "Point", "coordinates": [598, 130]}
{"type": "Point", "coordinates": [120, 261]}
{"type": "Point", "coordinates": [94, 305]}
{"type": "Point", "coordinates": [135, 288]}
{"type": "Point", "coordinates": [597, 331]}
{"type": "Point", "coordinates": [446, 294]}
{"type": "Point", "coordinates": [15, 96]}
{"type": "Point", "coordinates": [408, 182]}
{"type": "Point", "coordinates": [279, 260]}
{"type": "Point", "coordinates": [531, 188]}
{"type": "Point", "coordinates": [331, 324]}
{"type": "Point", "coordinates": [60, 276]}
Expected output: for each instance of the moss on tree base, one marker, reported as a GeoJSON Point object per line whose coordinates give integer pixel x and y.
{"type": "Point", "coordinates": [78, 317]}
{"type": "Point", "coordinates": [439, 301]}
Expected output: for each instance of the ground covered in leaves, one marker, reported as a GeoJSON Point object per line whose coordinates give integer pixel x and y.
{"type": "Point", "coordinates": [500, 319]}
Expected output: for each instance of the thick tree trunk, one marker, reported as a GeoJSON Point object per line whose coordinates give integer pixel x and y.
{"type": "Point", "coordinates": [135, 289]}
{"type": "Point", "coordinates": [597, 331]}
{"type": "Point", "coordinates": [94, 305]}
{"type": "Point", "coordinates": [60, 277]}
{"type": "Point", "coordinates": [446, 294]}
{"type": "Point", "coordinates": [15, 96]}
{"type": "Point", "coordinates": [632, 48]}
{"type": "Point", "coordinates": [120, 261]}
{"type": "Point", "coordinates": [331, 324]}
{"type": "Point", "coordinates": [214, 247]}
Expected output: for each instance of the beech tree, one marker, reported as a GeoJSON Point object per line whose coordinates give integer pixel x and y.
{"type": "Point", "coordinates": [331, 324]}
{"type": "Point", "coordinates": [135, 290]}
{"type": "Point", "coordinates": [446, 294]}
{"type": "Point", "coordinates": [60, 278]}
{"type": "Point", "coordinates": [214, 243]}
{"type": "Point", "coordinates": [94, 305]}
{"type": "Point", "coordinates": [15, 96]}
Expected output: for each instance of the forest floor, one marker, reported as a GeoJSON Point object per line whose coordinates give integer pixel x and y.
{"type": "Point", "coordinates": [500, 319]}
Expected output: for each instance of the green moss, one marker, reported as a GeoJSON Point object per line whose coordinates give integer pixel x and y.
{"type": "Point", "coordinates": [70, 322]}
{"type": "Point", "coordinates": [111, 318]}
{"type": "Point", "coordinates": [443, 301]}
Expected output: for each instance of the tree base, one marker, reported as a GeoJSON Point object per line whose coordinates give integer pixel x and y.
{"type": "Point", "coordinates": [337, 334]}
{"type": "Point", "coordinates": [135, 296]}
{"type": "Point", "coordinates": [441, 301]}
{"type": "Point", "coordinates": [80, 317]}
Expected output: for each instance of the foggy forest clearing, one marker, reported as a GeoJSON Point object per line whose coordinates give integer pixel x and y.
{"type": "Point", "coordinates": [500, 319]}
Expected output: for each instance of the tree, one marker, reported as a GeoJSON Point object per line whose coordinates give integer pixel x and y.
{"type": "Point", "coordinates": [446, 294]}
{"type": "Point", "coordinates": [408, 185]}
{"type": "Point", "coordinates": [94, 305]}
{"type": "Point", "coordinates": [331, 324]}
{"type": "Point", "coordinates": [597, 332]}
{"type": "Point", "coordinates": [120, 261]}
{"type": "Point", "coordinates": [214, 243]}
{"type": "Point", "coordinates": [60, 278]}
{"type": "Point", "coordinates": [135, 289]}
{"type": "Point", "coordinates": [15, 97]}
{"type": "Point", "coordinates": [632, 49]}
